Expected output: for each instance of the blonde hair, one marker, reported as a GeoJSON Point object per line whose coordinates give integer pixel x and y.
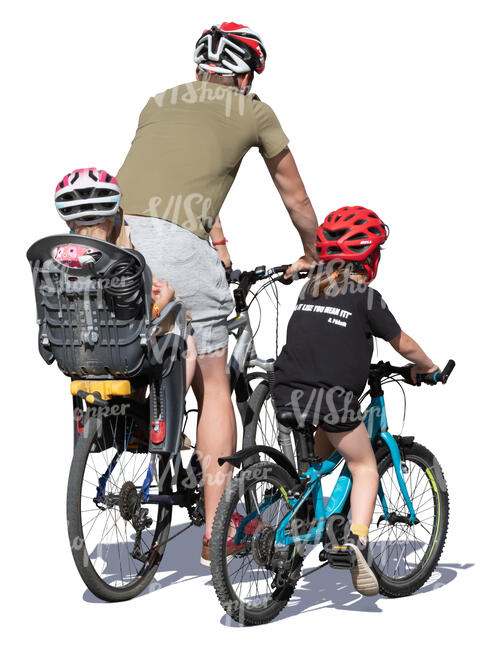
{"type": "Point", "coordinates": [329, 281]}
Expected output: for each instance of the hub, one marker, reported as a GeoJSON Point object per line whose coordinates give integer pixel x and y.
{"type": "Point", "coordinates": [128, 500]}
{"type": "Point", "coordinates": [262, 544]}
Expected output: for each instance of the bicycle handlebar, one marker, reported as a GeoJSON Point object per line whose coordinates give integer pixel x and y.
{"type": "Point", "coordinates": [384, 369]}
{"type": "Point", "coordinates": [440, 376]}
{"type": "Point", "coordinates": [262, 273]}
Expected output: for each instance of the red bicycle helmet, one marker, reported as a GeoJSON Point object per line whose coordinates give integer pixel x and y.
{"type": "Point", "coordinates": [352, 234]}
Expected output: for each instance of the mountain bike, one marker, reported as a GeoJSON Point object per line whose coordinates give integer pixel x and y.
{"type": "Point", "coordinates": [282, 512]}
{"type": "Point", "coordinates": [121, 493]}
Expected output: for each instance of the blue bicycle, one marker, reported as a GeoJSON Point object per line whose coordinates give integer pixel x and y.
{"type": "Point", "coordinates": [281, 512]}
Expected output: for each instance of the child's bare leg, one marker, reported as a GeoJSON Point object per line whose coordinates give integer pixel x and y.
{"type": "Point", "coordinates": [191, 360]}
{"type": "Point", "coordinates": [323, 447]}
{"type": "Point", "coordinates": [355, 447]}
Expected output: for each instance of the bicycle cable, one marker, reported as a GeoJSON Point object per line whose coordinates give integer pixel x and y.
{"type": "Point", "coordinates": [398, 382]}
{"type": "Point", "coordinates": [274, 301]}
{"type": "Point", "coordinates": [388, 380]}
{"type": "Point", "coordinates": [259, 313]}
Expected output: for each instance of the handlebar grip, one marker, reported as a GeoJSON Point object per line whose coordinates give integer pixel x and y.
{"type": "Point", "coordinates": [298, 275]}
{"type": "Point", "coordinates": [447, 371]}
{"type": "Point", "coordinates": [438, 376]}
{"type": "Point", "coordinates": [235, 275]}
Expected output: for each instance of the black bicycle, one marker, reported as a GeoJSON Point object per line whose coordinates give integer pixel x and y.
{"type": "Point", "coordinates": [127, 473]}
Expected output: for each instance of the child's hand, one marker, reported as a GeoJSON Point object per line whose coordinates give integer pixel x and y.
{"type": "Point", "coordinates": [162, 293]}
{"type": "Point", "coordinates": [422, 370]}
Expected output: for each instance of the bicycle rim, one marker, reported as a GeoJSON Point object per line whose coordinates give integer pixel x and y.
{"type": "Point", "coordinates": [253, 586]}
{"type": "Point", "coordinates": [117, 541]}
{"type": "Point", "coordinates": [402, 550]}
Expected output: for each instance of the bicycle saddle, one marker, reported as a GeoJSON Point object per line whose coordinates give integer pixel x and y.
{"type": "Point", "coordinates": [288, 418]}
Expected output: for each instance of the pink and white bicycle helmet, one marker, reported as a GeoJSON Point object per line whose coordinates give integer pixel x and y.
{"type": "Point", "coordinates": [87, 196]}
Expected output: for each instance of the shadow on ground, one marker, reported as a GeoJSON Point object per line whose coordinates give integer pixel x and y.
{"type": "Point", "coordinates": [323, 589]}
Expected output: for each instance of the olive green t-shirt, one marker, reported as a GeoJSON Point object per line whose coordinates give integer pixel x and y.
{"type": "Point", "coordinates": [188, 147]}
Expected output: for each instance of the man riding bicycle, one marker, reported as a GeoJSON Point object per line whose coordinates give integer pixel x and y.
{"type": "Point", "coordinates": [182, 162]}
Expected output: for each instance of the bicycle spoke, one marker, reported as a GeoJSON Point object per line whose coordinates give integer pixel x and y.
{"type": "Point", "coordinates": [399, 548]}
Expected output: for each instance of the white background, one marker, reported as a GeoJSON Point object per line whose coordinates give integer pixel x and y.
{"type": "Point", "coordinates": [393, 105]}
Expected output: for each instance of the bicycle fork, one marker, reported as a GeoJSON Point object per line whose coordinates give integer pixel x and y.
{"type": "Point", "coordinates": [397, 462]}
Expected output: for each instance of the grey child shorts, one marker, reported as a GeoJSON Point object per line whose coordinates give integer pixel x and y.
{"type": "Point", "coordinates": [191, 265]}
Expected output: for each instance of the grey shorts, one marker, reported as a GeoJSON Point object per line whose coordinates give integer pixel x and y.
{"type": "Point", "coordinates": [193, 268]}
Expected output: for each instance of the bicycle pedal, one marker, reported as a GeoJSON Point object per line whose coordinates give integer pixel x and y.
{"type": "Point", "coordinates": [340, 556]}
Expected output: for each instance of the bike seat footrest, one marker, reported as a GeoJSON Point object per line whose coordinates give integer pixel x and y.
{"type": "Point", "coordinates": [340, 556]}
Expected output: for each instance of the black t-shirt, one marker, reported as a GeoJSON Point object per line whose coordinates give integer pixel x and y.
{"type": "Point", "coordinates": [330, 341]}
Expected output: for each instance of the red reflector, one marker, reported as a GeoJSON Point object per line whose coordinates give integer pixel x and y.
{"type": "Point", "coordinates": [158, 436]}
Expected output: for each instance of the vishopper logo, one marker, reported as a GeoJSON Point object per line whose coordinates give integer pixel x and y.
{"type": "Point", "coordinates": [53, 281]}
{"type": "Point", "coordinates": [338, 401]}
{"type": "Point", "coordinates": [186, 211]}
{"type": "Point", "coordinates": [166, 349]}
{"type": "Point", "coordinates": [232, 99]}
{"type": "Point", "coordinates": [322, 281]}
{"type": "Point", "coordinates": [97, 414]}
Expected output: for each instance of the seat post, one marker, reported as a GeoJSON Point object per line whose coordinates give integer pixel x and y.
{"type": "Point", "coordinates": [305, 441]}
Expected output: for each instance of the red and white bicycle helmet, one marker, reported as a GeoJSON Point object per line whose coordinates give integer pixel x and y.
{"type": "Point", "coordinates": [352, 234]}
{"type": "Point", "coordinates": [229, 49]}
{"type": "Point", "coordinates": [87, 196]}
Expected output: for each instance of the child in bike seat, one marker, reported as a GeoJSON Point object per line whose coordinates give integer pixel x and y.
{"type": "Point", "coordinates": [322, 370]}
{"type": "Point", "coordinates": [88, 200]}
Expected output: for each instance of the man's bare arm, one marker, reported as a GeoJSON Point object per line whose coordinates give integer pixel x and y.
{"type": "Point", "coordinates": [290, 186]}
{"type": "Point", "coordinates": [216, 235]}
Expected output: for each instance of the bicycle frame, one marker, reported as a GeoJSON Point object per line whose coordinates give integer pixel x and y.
{"type": "Point", "coordinates": [375, 419]}
{"type": "Point", "coordinates": [244, 354]}
{"type": "Point", "coordinates": [243, 357]}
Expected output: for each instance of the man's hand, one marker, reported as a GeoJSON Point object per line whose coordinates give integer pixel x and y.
{"type": "Point", "coordinates": [222, 251]}
{"type": "Point", "coordinates": [304, 263]}
{"type": "Point", "coordinates": [422, 370]}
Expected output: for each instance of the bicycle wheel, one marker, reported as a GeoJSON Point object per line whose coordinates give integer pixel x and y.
{"type": "Point", "coordinates": [262, 427]}
{"type": "Point", "coordinates": [116, 541]}
{"type": "Point", "coordinates": [255, 584]}
{"type": "Point", "coordinates": [405, 554]}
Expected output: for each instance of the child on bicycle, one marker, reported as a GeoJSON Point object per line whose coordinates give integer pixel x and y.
{"type": "Point", "coordinates": [88, 200]}
{"type": "Point", "coordinates": [323, 367]}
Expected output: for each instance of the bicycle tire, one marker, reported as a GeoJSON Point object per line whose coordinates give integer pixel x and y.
{"type": "Point", "coordinates": [96, 584]}
{"type": "Point", "coordinates": [251, 436]}
{"type": "Point", "coordinates": [228, 598]}
{"type": "Point", "coordinates": [421, 457]}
